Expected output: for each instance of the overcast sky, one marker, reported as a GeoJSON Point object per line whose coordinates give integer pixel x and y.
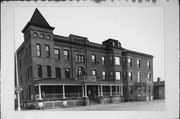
{"type": "Point", "coordinates": [137, 28]}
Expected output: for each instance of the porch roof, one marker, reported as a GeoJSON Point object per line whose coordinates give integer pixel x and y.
{"type": "Point", "coordinates": [55, 81]}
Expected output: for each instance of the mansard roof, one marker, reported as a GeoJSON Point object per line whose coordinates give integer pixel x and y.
{"type": "Point", "coordinates": [37, 19]}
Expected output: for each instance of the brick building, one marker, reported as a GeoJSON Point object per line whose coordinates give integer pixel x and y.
{"type": "Point", "coordinates": [57, 67]}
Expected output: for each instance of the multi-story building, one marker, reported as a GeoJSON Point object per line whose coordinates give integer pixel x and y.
{"type": "Point", "coordinates": [57, 67]}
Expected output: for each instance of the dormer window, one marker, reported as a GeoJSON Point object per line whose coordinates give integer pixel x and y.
{"type": "Point", "coordinates": [35, 34]}
{"type": "Point", "coordinates": [42, 35]}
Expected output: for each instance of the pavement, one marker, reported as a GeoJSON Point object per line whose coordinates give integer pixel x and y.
{"type": "Point", "coordinates": [155, 105]}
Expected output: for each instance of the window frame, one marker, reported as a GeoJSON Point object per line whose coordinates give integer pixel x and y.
{"type": "Point", "coordinates": [118, 73]}
{"type": "Point", "coordinates": [93, 58]}
{"type": "Point", "coordinates": [117, 61]}
{"type": "Point", "coordinates": [49, 71]}
{"type": "Point", "coordinates": [57, 54]}
{"type": "Point", "coordinates": [67, 73]}
{"type": "Point", "coordinates": [58, 72]}
{"type": "Point", "coordinates": [103, 75]}
{"type": "Point", "coordinates": [66, 56]}
{"type": "Point", "coordinates": [39, 68]}
{"type": "Point", "coordinates": [38, 50]}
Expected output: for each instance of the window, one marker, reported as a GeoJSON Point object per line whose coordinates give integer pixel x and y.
{"type": "Point", "coordinates": [93, 58]}
{"type": "Point", "coordinates": [47, 51]}
{"type": "Point", "coordinates": [80, 58]}
{"type": "Point", "coordinates": [81, 71]}
{"type": "Point", "coordinates": [20, 64]}
{"type": "Point", "coordinates": [35, 34]}
{"type": "Point", "coordinates": [138, 63]}
{"type": "Point", "coordinates": [27, 53]}
{"type": "Point", "coordinates": [138, 76]}
{"type": "Point", "coordinates": [29, 49]}
{"type": "Point", "coordinates": [111, 60]}
{"type": "Point", "coordinates": [111, 75]}
{"type": "Point", "coordinates": [67, 73]}
{"type": "Point", "coordinates": [103, 75]}
{"type": "Point", "coordinates": [48, 71]}
{"type": "Point", "coordinates": [94, 73]}
{"type": "Point", "coordinates": [103, 60]}
{"type": "Point", "coordinates": [149, 76]}
{"type": "Point", "coordinates": [129, 62]}
{"type": "Point", "coordinates": [66, 55]}
{"type": "Point", "coordinates": [130, 75]}
{"type": "Point", "coordinates": [39, 70]}
{"type": "Point", "coordinates": [118, 76]}
{"type": "Point", "coordinates": [57, 53]}
{"type": "Point", "coordinates": [48, 36]}
{"type": "Point", "coordinates": [117, 60]}
{"type": "Point", "coordinates": [124, 61]}
{"type": "Point", "coordinates": [38, 48]}
{"type": "Point", "coordinates": [131, 89]}
{"type": "Point", "coordinates": [124, 75]}
{"type": "Point", "coordinates": [42, 36]}
{"type": "Point", "coordinates": [30, 71]}
{"type": "Point", "coordinates": [58, 72]}
{"type": "Point", "coordinates": [149, 65]}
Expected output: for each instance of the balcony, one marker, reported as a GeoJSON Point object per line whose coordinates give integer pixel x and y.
{"type": "Point", "coordinates": [143, 82]}
{"type": "Point", "coordinates": [87, 78]}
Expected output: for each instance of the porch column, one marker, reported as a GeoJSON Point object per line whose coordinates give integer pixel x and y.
{"type": "Point", "coordinates": [101, 91]}
{"type": "Point", "coordinates": [63, 92]}
{"type": "Point", "coordinates": [98, 91]}
{"type": "Point", "coordinates": [85, 90]}
{"type": "Point", "coordinates": [40, 97]}
{"type": "Point", "coordinates": [110, 90]}
{"type": "Point", "coordinates": [82, 90]}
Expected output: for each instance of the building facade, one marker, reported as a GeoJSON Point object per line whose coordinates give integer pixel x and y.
{"type": "Point", "coordinates": [57, 67]}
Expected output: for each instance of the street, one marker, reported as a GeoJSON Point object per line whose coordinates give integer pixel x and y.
{"type": "Point", "coordinates": [155, 105]}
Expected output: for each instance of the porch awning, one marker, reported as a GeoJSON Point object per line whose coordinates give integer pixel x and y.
{"type": "Point", "coordinates": [55, 81]}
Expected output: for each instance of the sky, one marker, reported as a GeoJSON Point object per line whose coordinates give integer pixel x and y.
{"type": "Point", "coordinates": [136, 28]}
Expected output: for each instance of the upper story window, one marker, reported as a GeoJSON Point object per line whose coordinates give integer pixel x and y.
{"type": "Point", "coordinates": [35, 34]}
{"type": "Point", "coordinates": [149, 65]}
{"type": "Point", "coordinates": [39, 67]}
{"type": "Point", "coordinates": [103, 75]}
{"type": "Point", "coordinates": [94, 73]}
{"type": "Point", "coordinates": [29, 49]}
{"type": "Point", "coordinates": [48, 71]}
{"type": "Point", "coordinates": [111, 60]}
{"type": "Point", "coordinates": [124, 61]}
{"type": "Point", "coordinates": [80, 58]}
{"type": "Point", "coordinates": [67, 73]}
{"type": "Point", "coordinates": [20, 64]}
{"type": "Point", "coordinates": [66, 55]}
{"type": "Point", "coordinates": [93, 58]}
{"type": "Point", "coordinates": [118, 76]}
{"type": "Point", "coordinates": [129, 62]}
{"type": "Point", "coordinates": [81, 71]}
{"type": "Point", "coordinates": [58, 72]}
{"type": "Point", "coordinates": [38, 48]}
{"type": "Point", "coordinates": [42, 35]}
{"type": "Point", "coordinates": [48, 36]}
{"type": "Point", "coordinates": [111, 75]}
{"type": "Point", "coordinates": [57, 53]}
{"type": "Point", "coordinates": [149, 76]}
{"type": "Point", "coordinates": [138, 76]}
{"type": "Point", "coordinates": [124, 75]}
{"type": "Point", "coordinates": [138, 63]}
{"type": "Point", "coordinates": [130, 75]}
{"type": "Point", "coordinates": [117, 60]}
{"type": "Point", "coordinates": [47, 51]}
{"type": "Point", "coordinates": [103, 60]}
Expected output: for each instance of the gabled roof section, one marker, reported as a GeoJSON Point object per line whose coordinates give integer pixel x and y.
{"type": "Point", "coordinates": [37, 20]}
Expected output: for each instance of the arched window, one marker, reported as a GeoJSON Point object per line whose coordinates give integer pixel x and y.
{"type": "Point", "coordinates": [80, 71]}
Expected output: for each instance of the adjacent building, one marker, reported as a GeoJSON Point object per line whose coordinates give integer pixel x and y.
{"type": "Point", "coordinates": [54, 67]}
{"type": "Point", "coordinates": [159, 89]}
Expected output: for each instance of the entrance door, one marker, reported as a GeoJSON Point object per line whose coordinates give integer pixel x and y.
{"type": "Point", "coordinates": [92, 91]}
